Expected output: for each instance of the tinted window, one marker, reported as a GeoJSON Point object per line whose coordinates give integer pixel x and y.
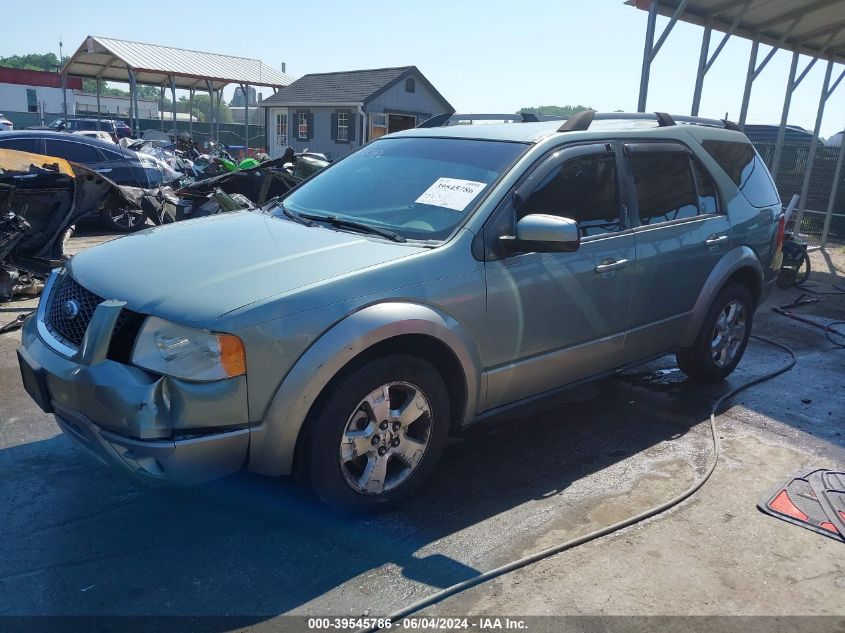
{"type": "Point", "coordinates": [707, 201]}
{"type": "Point", "coordinates": [583, 189]}
{"type": "Point", "coordinates": [665, 188]}
{"type": "Point", "coordinates": [77, 152]}
{"type": "Point", "coordinates": [22, 144]}
{"type": "Point", "coordinates": [745, 167]}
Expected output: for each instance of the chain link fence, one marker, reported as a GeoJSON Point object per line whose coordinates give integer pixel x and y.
{"type": "Point", "coordinates": [821, 222]}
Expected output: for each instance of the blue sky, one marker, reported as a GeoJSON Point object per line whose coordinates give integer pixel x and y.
{"type": "Point", "coordinates": [484, 56]}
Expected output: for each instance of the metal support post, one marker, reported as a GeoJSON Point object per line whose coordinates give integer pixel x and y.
{"type": "Point", "coordinates": [787, 100]}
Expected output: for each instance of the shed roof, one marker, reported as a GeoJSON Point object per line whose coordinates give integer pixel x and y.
{"type": "Point", "coordinates": [111, 59]}
{"type": "Point", "coordinates": [810, 27]}
{"type": "Point", "coordinates": [352, 86]}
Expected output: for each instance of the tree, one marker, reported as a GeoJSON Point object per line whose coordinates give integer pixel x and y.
{"type": "Point", "coordinates": [567, 110]}
{"type": "Point", "coordinates": [33, 61]}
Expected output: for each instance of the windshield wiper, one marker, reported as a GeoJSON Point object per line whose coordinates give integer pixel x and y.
{"type": "Point", "coordinates": [293, 215]}
{"type": "Point", "coordinates": [352, 224]}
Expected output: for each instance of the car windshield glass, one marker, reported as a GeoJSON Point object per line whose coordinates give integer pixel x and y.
{"type": "Point", "coordinates": [420, 188]}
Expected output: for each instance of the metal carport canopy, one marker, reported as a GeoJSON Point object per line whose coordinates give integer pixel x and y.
{"type": "Point", "coordinates": [810, 27]}
{"type": "Point", "coordinates": [815, 28]}
{"type": "Point", "coordinates": [111, 60]}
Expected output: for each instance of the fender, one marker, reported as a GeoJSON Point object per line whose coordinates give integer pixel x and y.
{"type": "Point", "coordinates": [273, 442]}
{"type": "Point", "coordinates": [732, 261]}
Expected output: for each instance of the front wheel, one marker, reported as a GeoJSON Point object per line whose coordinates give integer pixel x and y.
{"type": "Point", "coordinates": [378, 435]}
{"type": "Point", "coordinates": [723, 337]}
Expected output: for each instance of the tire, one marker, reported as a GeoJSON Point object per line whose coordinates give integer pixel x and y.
{"type": "Point", "coordinates": [721, 342]}
{"type": "Point", "coordinates": [123, 220]}
{"type": "Point", "coordinates": [353, 435]}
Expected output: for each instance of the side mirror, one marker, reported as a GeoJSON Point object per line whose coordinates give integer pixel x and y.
{"type": "Point", "coordinates": [543, 233]}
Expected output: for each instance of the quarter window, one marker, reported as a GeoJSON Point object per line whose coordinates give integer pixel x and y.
{"type": "Point", "coordinates": [343, 126]}
{"type": "Point", "coordinates": [76, 152]}
{"type": "Point", "coordinates": [665, 188]}
{"type": "Point", "coordinates": [282, 130]}
{"type": "Point", "coordinates": [302, 126]}
{"type": "Point", "coordinates": [745, 167]}
{"type": "Point", "coordinates": [583, 189]}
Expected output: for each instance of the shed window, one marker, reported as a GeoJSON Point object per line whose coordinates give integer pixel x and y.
{"type": "Point", "coordinates": [302, 127]}
{"type": "Point", "coordinates": [410, 85]}
{"type": "Point", "coordinates": [343, 126]}
{"type": "Point", "coordinates": [282, 130]}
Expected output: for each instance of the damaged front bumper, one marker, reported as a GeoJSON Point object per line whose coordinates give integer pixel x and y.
{"type": "Point", "coordinates": [151, 426]}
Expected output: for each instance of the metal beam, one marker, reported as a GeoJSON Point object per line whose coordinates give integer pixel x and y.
{"type": "Point", "coordinates": [672, 21]}
{"type": "Point", "coordinates": [705, 62]}
{"type": "Point", "coordinates": [749, 80]}
{"type": "Point", "coordinates": [814, 143]}
{"type": "Point", "coordinates": [787, 100]}
{"type": "Point", "coordinates": [173, 97]}
{"type": "Point", "coordinates": [833, 191]}
{"type": "Point", "coordinates": [646, 68]}
{"type": "Point", "coordinates": [829, 28]}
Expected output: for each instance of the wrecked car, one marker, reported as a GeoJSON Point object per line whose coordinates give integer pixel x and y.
{"type": "Point", "coordinates": [41, 200]}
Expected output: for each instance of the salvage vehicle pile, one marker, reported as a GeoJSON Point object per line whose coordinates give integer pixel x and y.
{"type": "Point", "coordinates": [43, 198]}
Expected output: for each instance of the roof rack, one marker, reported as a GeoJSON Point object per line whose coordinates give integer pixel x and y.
{"type": "Point", "coordinates": [582, 120]}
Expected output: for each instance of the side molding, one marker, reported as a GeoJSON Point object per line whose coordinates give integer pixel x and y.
{"type": "Point", "coordinates": [273, 442]}
{"type": "Point", "coordinates": [732, 261]}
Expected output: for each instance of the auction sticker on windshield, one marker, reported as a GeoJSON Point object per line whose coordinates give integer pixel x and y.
{"type": "Point", "coordinates": [451, 193]}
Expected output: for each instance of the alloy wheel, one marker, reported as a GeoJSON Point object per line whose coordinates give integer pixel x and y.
{"type": "Point", "coordinates": [385, 438]}
{"type": "Point", "coordinates": [728, 334]}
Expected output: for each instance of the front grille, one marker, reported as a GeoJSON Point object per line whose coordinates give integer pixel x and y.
{"type": "Point", "coordinates": [70, 311]}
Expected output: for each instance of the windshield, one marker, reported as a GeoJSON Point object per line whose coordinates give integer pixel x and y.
{"type": "Point", "coordinates": [420, 188]}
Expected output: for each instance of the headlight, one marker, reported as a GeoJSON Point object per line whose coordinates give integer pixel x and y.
{"type": "Point", "coordinates": [184, 352]}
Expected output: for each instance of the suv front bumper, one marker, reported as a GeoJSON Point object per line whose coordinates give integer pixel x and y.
{"type": "Point", "coordinates": [154, 427]}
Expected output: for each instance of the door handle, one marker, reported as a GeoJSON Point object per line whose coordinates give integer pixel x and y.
{"type": "Point", "coordinates": [715, 240]}
{"type": "Point", "coordinates": [611, 264]}
{"type": "Point", "coordinates": [103, 170]}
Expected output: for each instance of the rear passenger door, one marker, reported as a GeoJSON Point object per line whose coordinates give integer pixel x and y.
{"type": "Point", "coordinates": [681, 231]}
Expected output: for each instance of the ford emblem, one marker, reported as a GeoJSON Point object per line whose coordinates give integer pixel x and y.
{"type": "Point", "coordinates": [70, 309]}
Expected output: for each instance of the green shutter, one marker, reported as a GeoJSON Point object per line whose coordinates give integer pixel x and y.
{"type": "Point", "coordinates": [353, 125]}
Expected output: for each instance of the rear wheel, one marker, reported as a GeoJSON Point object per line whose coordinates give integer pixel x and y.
{"type": "Point", "coordinates": [123, 219]}
{"type": "Point", "coordinates": [378, 435]}
{"type": "Point", "coordinates": [723, 337]}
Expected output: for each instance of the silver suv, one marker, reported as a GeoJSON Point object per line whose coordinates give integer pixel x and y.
{"type": "Point", "coordinates": [424, 283]}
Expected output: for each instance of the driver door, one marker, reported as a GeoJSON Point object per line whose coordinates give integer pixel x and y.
{"type": "Point", "coordinates": [556, 318]}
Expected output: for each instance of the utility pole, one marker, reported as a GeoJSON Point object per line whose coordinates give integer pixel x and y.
{"type": "Point", "coordinates": [64, 84]}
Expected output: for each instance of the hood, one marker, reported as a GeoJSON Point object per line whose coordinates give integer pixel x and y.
{"type": "Point", "coordinates": [193, 272]}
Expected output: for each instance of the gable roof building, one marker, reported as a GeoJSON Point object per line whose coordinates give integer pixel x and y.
{"type": "Point", "coordinates": [336, 112]}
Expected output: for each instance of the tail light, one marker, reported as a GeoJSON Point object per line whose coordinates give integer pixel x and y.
{"type": "Point", "coordinates": [780, 233]}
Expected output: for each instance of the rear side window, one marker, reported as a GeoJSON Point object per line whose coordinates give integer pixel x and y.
{"type": "Point", "coordinates": [665, 186]}
{"type": "Point", "coordinates": [583, 189]}
{"type": "Point", "coordinates": [76, 152]}
{"type": "Point", "coordinates": [745, 167]}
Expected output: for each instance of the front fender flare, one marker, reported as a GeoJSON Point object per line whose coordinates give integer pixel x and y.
{"type": "Point", "coordinates": [734, 260]}
{"type": "Point", "coordinates": [273, 442]}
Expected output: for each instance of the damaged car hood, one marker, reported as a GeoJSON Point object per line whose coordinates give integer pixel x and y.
{"type": "Point", "coordinates": [195, 271]}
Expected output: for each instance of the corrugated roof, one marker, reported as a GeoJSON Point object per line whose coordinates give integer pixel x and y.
{"type": "Point", "coordinates": [352, 86]}
{"type": "Point", "coordinates": [810, 27]}
{"type": "Point", "coordinates": [110, 59]}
